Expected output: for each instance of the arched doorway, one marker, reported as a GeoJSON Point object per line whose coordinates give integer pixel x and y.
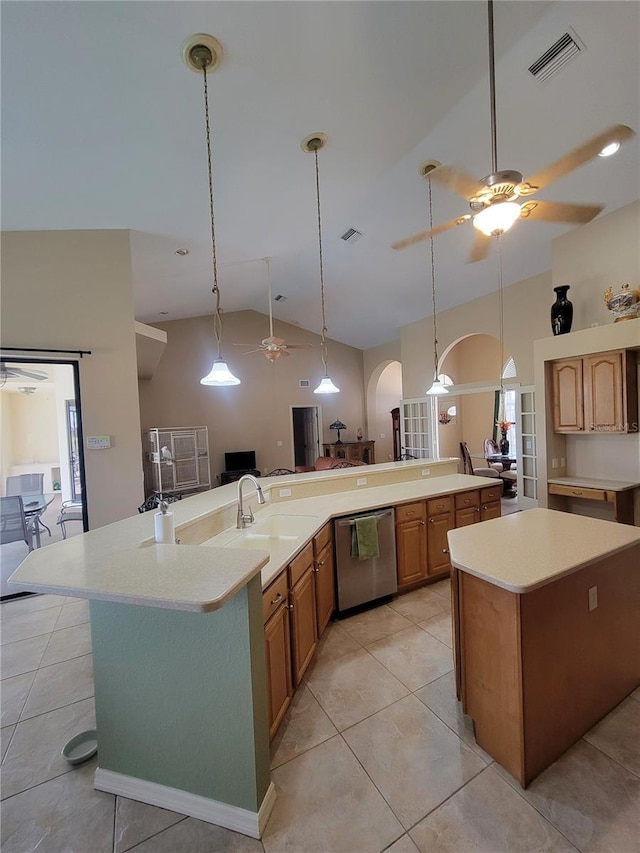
{"type": "Point", "coordinates": [384, 393]}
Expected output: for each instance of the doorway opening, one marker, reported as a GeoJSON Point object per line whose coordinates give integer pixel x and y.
{"type": "Point", "coordinates": [305, 425]}
{"type": "Point", "coordinates": [41, 457]}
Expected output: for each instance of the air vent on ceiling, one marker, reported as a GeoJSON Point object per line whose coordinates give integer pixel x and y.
{"type": "Point", "coordinates": [556, 57]}
{"type": "Point", "coordinates": [279, 298]}
{"type": "Point", "coordinates": [351, 236]}
{"type": "Point", "coordinates": [304, 383]}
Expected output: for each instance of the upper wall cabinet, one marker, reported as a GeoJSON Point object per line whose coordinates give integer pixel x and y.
{"type": "Point", "coordinates": [596, 393]}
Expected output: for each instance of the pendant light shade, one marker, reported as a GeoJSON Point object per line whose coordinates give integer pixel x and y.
{"type": "Point", "coordinates": [313, 144]}
{"type": "Point", "coordinates": [203, 53]}
{"type": "Point", "coordinates": [437, 389]}
{"type": "Point", "coordinates": [219, 374]}
{"type": "Point", "coordinates": [497, 218]}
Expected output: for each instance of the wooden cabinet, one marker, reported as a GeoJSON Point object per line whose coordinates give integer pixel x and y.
{"type": "Point", "coordinates": [277, 640]}
{"type": "Point", "coordinates": [440, 519]}
{"type": "Point", "coordinates": [352, 451]}
{"type": "Point", "coordinates": [411, 545]}
{"type": "Point", "coordinates": [478, 505]}
{"type": "Point", "coordinates": [596, 393]}
{"type": "Point", "coordinates": [324, 573]}
{"type": "Point", "coordinates": [304, 633]}
{"type": "Point", "coordinates": [490, 506]}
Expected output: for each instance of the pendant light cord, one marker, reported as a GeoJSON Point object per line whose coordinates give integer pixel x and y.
{"type": "Point", "coordinates": [433, 288]}
{"type": "Point", "coordinates": [217, 317]}
{"type": "Point", "coordinates": [323, 339]}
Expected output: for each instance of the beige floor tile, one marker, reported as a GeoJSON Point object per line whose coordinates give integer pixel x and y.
{"type": "Point", "coordinates": [353, 687]}
{"type": "Point", "coordinates": [23, 656]}
{"type": "Point", "coordinates": [304, 726]}
{"type": "Point", "coordinates": [442, 588]}
{"type": "Point", "coordinates": [135, 822]}
{"type": "Point", "coordinates": [68, 643]}
{"type": "Point", "coordinates": [335, 643]}
{"type": "Point", "coordinates": [589, 798]}
{"type": "Point", "coordinates": [29, 604]}
{"type": "Point", "coordinates": [64, 814]}
{"type": "Point", "coordinates": [200, 837]}
{"type": "Point", "coordinates": [618, 735]}
{"type": "Point", "coordinates": [326, 802]}
{"type": "Point", "coordinates": [440, 697]}
{"type": "Point", "coordinates": [487, 816]}
{"type": "Point", "coordinates": [374, 624]}
{"type": "Point", "coordinates": [439, 627]}
{"type": "Point", "coordinates": [413, 656]}
{"type": "Point", "coordinates": [59, 685]}
{"type": "Point", "coordinates": [34, 754]}
{"type": "Point", "coordinates": [14, 695]}
{"type": "Point", "coordinates": [636, 694]}
{"type": "Point", "coordinates": [403, 845]}
{"type": "Point", "coordinates": [415, 761]}
{"type": "Point", "coordinates": [6, 734]}
{"type": "Point", "coordinates": [420, 604]}
{"type": "Point", "coordinates": [73, 614]}
{"type": "Point", "coordinates": [24, 625]}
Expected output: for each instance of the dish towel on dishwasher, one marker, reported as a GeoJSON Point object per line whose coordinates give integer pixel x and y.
{"type": "Point", "coordinates": [364, 538]}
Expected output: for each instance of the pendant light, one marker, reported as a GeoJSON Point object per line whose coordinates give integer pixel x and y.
{"type": "Point", "coordinates": [203, 53]}
{"type": "Point", "coordinates": [313, 144]}
{"type": "Point", "coordinates": [437, 388]}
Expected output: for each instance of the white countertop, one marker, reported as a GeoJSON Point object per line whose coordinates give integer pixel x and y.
{"type": "Point", "coordinates": [116, 563]}
{"type": "Point", "coordinates": [526, 550]}
{"type": "Point", "coordinates": [594, 483]}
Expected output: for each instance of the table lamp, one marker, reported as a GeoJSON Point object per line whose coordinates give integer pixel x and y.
{"type": "Point", "coordinates": [338, 425]}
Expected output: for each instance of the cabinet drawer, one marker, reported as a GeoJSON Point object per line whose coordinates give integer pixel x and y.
{"type": "Point", "coordinates": [435, 506]}
{"type": "Point", "coordinates": [492, 493]}
{"type": "Point", "coordinates": [410, 512]}
{"type": "Point", "coordinates": [578, 492]}
{"type": "Point", "coordinates": [322, 538]}
{"type": "Point", "coordinates": [466, 499]}
{"type": "Point", "coordinates": [274, 595]}
{"type": "Point", "coordinates": [299, 565]}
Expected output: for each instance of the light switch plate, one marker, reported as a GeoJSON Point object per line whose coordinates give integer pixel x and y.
{"type": "Point", "coordinates": [284, 493]}
{"type": "Point", "coordinates": [426, 472]}
{"type": "Point", "coordinates": [361, 481]}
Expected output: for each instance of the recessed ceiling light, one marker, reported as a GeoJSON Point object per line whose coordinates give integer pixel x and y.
{"type": "Point", "coordinates": [182, 252]}
{"type": "Point", "coordinates": [608, 150]}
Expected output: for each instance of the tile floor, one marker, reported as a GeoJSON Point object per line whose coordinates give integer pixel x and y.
{"type": "Point", "coordinates": [374, 754]}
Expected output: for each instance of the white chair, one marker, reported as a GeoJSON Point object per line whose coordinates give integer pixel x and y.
{"type": "Point", "coordinates": [14, 525]}
{"type": "Point", "coordinates": [69, 511]}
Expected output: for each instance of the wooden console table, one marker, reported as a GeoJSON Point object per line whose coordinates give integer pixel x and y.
{"type": "Point", "coordinates": [615, 492]}
{"type": "Point", "coordinates": [352, 451]}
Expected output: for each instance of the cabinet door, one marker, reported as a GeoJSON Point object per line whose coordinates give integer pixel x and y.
{"type": "Point", "coordinates": [467, 516]}
{"type": "Point", "coordinates": [603, 393]}
{"type": "Point", "coordinates": [411, 550]}
{"type": "Point", "coordinates": [568, 408]}
{"type": "Point", "coordinates": [324, 572]}
{"type": "Point", "coordinates": [277, 643]}
{"type": "Point", "coordinates": [491, 509]}
{"type": "Point", "coordinates": [437, 545]}
{"type": "Point", "coordinates": [303, 624]}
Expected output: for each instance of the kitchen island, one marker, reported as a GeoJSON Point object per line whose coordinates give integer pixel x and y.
{"type": "Point", "coordinates": [546, 630]}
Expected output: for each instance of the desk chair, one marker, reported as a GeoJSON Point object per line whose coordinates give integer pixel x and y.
{"type": "Point", "coordinates": [27, 484]}
{"type": "Point", "coordinates": [468, 465]}
{"type": "Point", "coordinates": [14, 525]}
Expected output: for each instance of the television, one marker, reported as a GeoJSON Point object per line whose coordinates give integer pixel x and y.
{"type": "Point", "coordinates": [240, 460]}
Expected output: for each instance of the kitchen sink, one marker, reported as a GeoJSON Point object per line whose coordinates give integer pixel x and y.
{"type": "Point", "coordinates": [282, 525]}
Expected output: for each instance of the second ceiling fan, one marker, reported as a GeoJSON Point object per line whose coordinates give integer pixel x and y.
{"type": "Point", "coordinates": [272, 347]}
{"type": "Point", "coordinates": [501, 198]}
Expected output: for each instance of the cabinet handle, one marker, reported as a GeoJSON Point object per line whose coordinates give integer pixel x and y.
{"type": "Point", "coordinates": [320, 563]}
{"type": "Point", "coordinates": [477, 509]}
{"type": "Point", "coordinates": [276, 599]}
{"type": "Point", "coordinates": [422, 522]}
{"type": "Point", "coordinates": [289, 606]}
{"type": "Point", "coordinates": [576, 492]}
{"type": "Point", "coordinates": [445, 550]}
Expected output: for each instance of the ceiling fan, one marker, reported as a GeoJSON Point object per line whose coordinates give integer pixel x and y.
{"type": "Point", "coordinates": [272, 347]}
{"type": "Point", "coordinates": [10, 371]}
{"type": "Point", "coordinates": [495, 200]}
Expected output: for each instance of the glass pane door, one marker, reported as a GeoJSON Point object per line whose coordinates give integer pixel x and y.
{"type": "Point", "coordinates": [526, 436]}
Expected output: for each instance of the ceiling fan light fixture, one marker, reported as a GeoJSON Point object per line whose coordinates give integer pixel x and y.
{"type": "Point", "coordinates": [610, 149]}
{"type": "Point", "coordinates": [497, 218]}
{"type": "Point", "coordinates": [219, 375]}
{"type": "Point", "coordinates": [326, 386]}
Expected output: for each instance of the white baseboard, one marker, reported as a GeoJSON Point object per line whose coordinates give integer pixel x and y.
{"type": "Point", "coordinates": [212, 811]}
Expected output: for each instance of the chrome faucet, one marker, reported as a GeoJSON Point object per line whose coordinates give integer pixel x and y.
{"type": "Point", "coordinates": [244, 519]}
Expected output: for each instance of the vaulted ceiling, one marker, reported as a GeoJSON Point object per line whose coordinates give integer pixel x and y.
{"type": "Point", "coordinates": [102, 127]}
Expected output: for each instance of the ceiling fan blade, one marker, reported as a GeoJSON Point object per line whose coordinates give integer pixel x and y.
{"type": "Point", "coordinates": [424, 235]}
{"type": "Point", "coordinates": [297, 346]}
{"type": "Point", "coordinates": [480, 248]}
{"type": "Point", "coordinates": [555, 211]}
{"type": "Point", "coordinates": [248, 345]}
{"type": "Point", "coordinates": [251, 351]}
{"type": "Point", "coordinates": [579, 156]}
{"type": "Point", "coordinates": [39, 375]}
{"type": "Point", "coordinates": [456, 180]}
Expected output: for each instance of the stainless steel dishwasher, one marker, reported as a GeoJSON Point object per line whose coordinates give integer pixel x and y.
{"type": "Point", "coordinates": [361, 581]}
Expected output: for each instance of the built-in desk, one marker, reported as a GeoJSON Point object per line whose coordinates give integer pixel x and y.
{"type": "Point", "coordinates": [616, 492]}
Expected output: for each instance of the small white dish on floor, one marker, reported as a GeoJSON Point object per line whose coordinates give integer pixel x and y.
{"type": "Point", "coordinates": [81, 748]}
